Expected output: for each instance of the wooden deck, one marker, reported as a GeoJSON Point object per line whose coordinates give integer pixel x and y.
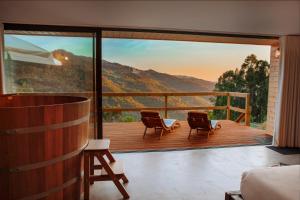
{"type": "Point", "coordinates": [128, 136]}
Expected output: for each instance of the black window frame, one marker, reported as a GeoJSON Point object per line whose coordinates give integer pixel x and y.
{"type": "Point", "coordinates": [97, 51]}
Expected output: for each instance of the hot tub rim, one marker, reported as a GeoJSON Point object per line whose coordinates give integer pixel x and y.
{"type": "Point", "coordinates": [83, 100]}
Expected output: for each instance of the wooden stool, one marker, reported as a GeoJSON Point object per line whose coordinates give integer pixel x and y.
{"type": "Point", "coordinates": [110, 171]}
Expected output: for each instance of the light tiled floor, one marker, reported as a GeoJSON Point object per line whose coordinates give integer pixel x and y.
{"type": "Point", "coordinates": [186, 175]}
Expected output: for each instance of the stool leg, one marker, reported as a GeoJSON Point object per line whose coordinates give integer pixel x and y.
{"type": "Point", "coordinates": [86, 176]}
{"type": "Point", "coordinates": [91, 166]}
{"type": "Point", "coordinates": [109, 156]}
{"type": "Point", "coordinates": [113, 177]}
{"type": "Point", "coordinates": [124, 178]}
{"type": "Point", "coordinates": [121, 189]}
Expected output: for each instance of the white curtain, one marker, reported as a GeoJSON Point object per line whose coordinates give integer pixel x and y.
{"type": "Point", "coordinates": [287, 118]}
{"type": "Point", "coordinates": [1, 59]}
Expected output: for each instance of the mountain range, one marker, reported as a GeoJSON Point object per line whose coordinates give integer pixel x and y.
{"type": "Point", "coordinates": [121, 78]}
{"type": "Point", "coordinates": [76, 75]}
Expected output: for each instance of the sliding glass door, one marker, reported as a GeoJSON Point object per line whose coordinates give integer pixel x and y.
{"type": "Point", "coordinates": [52, 63]}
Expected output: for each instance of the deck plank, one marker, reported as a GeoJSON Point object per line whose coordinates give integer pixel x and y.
{"type": "Point", "coordinates": [128, 136]}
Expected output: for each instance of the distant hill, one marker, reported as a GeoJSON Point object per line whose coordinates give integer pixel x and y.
{"type": "Point", "coordinates": [122, 78]}
{"type": "Point", "coordinates": [76, 75]}
{"type": "Point", "coordinates": [134, 80]}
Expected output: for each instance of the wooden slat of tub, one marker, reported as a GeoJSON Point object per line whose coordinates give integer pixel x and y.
{"type": "Point", "coordinates": [53, 177]}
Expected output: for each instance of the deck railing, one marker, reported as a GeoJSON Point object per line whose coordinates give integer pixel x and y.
{"type": "Point", "coordinates": [245, 112]}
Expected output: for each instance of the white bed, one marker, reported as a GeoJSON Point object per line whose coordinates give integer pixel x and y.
{"type": "Point", "coordinates": [273, 183]}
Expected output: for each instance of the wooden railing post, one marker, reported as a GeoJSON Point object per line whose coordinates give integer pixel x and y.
{"type": "Point", "coordinates": [247, 110]}
{"type": "Point", "coordinates": [228, 106]}
{"type": "Point", "coordinates": [166, 106]}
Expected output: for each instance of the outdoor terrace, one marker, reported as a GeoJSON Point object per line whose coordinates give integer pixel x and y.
{"type": "Point", "coordinates": [128, 136]}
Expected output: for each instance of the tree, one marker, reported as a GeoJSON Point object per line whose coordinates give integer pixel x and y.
{"type": "Point", "coordinates": [252, 77]}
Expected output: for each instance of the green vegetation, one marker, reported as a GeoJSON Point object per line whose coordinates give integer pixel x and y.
{"type": "Point", "coordinates": [252, 77]}
{"type": "Point", "coordinates": [120, 117]}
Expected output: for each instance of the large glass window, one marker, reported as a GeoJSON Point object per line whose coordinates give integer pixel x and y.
{"type": "Point", "coordinates": [145, 66]}
{"type": "Point", "coordinates": [50, 62]}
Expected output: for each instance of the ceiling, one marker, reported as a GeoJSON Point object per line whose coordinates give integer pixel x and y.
{"type": "Point", "coordinates": [194, 37]}
{"type": "Point", "coordinates": [163, 35]}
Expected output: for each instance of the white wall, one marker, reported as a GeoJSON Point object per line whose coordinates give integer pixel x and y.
{"type": "Point", "coordinates": [246, 17]}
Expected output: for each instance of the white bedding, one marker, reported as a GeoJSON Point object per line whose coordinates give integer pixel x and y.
{"type": "Point", "coordinates": [272, 183]}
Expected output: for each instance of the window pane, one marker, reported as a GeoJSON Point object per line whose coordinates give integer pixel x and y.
{"type": "Point", "coordinates": [57, 64]}
{"type": "Point", "coordinates": [51, 63]}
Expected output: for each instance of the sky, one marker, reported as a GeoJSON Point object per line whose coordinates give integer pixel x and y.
{"type": "Point", "coordinates": [198, 59]}
{"type": "Point", "coordinates": [78, 45]}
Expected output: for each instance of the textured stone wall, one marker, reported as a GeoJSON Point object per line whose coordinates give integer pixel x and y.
{"type": "Point", "coordinates": [273, 89]}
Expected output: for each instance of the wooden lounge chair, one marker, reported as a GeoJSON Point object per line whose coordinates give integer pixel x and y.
{"type": "Point", "coordinates": [199, 121]}
{"type": "Point", "coordinates": [152, 119]}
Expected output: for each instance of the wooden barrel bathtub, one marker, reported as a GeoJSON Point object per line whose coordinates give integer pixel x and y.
{"type": "Point", "coordinates": [41, 144]}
